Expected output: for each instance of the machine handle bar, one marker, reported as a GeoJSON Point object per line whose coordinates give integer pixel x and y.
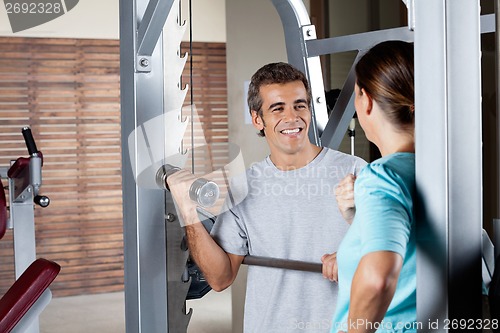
{"type": "Point", "coordinates": [202, 191]}
{"type": "Point", "coordinates": [30, 142]}
{"type": "Point", "coordinates": [283, 263]}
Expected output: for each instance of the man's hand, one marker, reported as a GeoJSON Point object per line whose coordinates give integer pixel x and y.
{"type": "Point", "coordinates": [344, 193]}
{"type": "Point", "coordinates": [179, 184]}
{"type": "Point", "coordinates": [330, 268]}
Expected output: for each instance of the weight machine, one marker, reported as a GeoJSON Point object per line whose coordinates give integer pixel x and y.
{"type": "Point", "coordinates": [29, 295]}
{"type": "Point", "coordinates": [448, 164]}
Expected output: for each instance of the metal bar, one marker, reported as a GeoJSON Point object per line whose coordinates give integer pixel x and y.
{"type": "Point", "coordinates": [151, 25]}
{"type": "Point", "coordinates": [343, 111]}
{"type": "Point", "coordinates": [29, 323]}
{"type": "Point", "coordinates": [143, 208]}
{"type": "Point", "coordinates": [283, 263]}
{"type": "Point", "coordinates": [464, 159]}
{"type": "Point", "coordinates": [488, 23]}
{"type": "Point", "coordinates": [333, 132]}
{"type": "Point", "coordinates": [22, 219]}
{"type": "Point", "coordinates": [297, 28]}
{"type": "Point", "coordinates": [356, 42]}
{"type": "Point", "coordinates": [173, 101]}
{"type": "Point", "coordinates": [449, 210]}
{"type": "Point", "coordinates": [293, 16]}
{"type": "Point", "coordinates": [319, 107]}
{"type": "Point", "coordinates": [432, 184]}
{"type": "Point", "coordinates": [410, 5]}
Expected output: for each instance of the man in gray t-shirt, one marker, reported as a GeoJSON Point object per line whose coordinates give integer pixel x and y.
{"type": "Point", "coordinates": [289, 212]}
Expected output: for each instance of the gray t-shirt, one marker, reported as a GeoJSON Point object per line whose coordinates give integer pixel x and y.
{"type": "Point", "coordinates": [288, 215]}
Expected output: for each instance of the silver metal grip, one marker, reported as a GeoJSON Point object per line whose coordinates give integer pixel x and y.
{"type": "Point", "coordinates": [162, 175]}
{"type": "Point", "coordinates": [202, 191]}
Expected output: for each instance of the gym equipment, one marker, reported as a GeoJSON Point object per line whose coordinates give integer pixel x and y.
{"type": "Point", "coordinates": [283, 263]}
{"type": "Point", "coordinates": [199, 286]}
{"type": "Point", "coordinates": [202, 191]}
{"type": "Point", "coordinates": [448, 268]}
{"type": "Point", "coordinates": [29, 295]}
{"type": "Point", "coordinates": [331, 99]}
{"type": "Point", "coordinates": [29, 288]}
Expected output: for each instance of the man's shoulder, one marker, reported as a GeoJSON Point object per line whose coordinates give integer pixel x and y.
{"type": "Point", "coordinates": [257, 168]}
{"type": "Point", "coordinates": [340, 157]}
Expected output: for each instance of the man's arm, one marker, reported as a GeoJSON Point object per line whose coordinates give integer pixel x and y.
{"type": "Point", "coordinates": [219, 268]}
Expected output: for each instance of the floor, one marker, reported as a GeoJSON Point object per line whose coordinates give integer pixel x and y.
{"type": "Point", "coordinates": [104, 313]}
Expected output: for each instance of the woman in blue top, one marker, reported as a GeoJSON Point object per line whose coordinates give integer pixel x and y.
{"type": "Point", "coordinates": [376, 260]}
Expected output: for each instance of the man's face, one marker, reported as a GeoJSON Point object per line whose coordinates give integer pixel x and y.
{"type": "Point", "coordinates": [285, 117]}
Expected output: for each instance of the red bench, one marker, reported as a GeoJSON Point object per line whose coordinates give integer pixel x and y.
{"type": "Point", "coordinates": [29, 287]}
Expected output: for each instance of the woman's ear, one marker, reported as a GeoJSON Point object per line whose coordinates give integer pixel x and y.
{"type": "Point", "coordinates": [257, 121]}
{"type": "Point", "coordinates": [367, 101]}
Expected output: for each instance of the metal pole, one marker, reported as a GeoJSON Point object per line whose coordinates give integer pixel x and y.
{"type": "Point", "coordinates": [352, 133]}
{"type": "Point", "coordinates": [448, 163]}
{"type": "Point", "coordinates": [296, 265]}
{"type": "Point", "coordinates": [298, 29]}
{"type": "Point", "coordinates": [143, 209]}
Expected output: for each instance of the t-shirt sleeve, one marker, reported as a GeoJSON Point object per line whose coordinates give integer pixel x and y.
{"type": "Point", "coordinates": [359, 164]}
{"type": "Point", "coordinates": [385, 219]}
{"type": "Point", "coordinates": [229, 232]}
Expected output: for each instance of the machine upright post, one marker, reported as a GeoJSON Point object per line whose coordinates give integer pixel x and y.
{"type": "Point", "coordinates": [448, 162]}
{"type": "Point", "coordinates": [143, 209]}
{"type": "Point", "coordinates": [155, 294]}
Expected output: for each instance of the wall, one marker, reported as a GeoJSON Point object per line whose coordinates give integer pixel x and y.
{"type": "Point", "coordinates": [100, 19]}
{"type": "Point", "coordinates": [88, 19]}
{"type": "Point", "coordinates": [358, 16]}
{"type": "Point", "coordinates": [254, 38]}
{"type": "Point", "coordinates": [369, 15]}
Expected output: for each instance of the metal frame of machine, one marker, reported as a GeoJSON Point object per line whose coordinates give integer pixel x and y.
{"type": "Point", "coordinates": [446, 34]}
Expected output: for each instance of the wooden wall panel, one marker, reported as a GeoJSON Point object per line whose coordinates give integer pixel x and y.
{"type": "Point", "coordinates": [68, 92]}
